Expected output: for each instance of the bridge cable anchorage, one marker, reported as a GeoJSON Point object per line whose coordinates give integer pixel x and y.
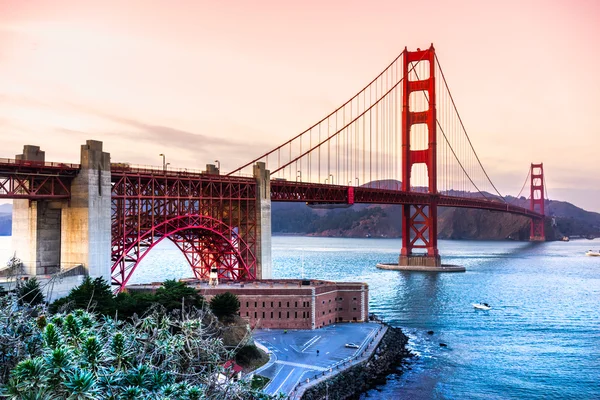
{"type": "Point", "coordinates": [464, 129]}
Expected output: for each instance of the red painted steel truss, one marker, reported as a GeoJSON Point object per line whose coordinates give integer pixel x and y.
{"type": "Point", "coordinates": [212, 219]}
{"type": "Point", "coordinates": [315, 193]}
{"type": "Point", "coordinates": [36, 180]}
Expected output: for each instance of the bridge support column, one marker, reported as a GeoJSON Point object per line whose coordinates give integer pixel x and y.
{"type": "Point", "coordinates": [263, 210]}
{"type": "Point", "coordinates": [419, 221]}
{"type": "Point", "coordinates": [36, 227]}
{"type": "Point", "coordinates": [537, 203]}
{"type": "Point", "coordinates": [86, 222]}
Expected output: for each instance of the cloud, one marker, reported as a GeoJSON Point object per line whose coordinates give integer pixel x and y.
{"type": "Point", "coordinates": [238, 151]}
{"type": "Point", "coordinates": [159, 134]}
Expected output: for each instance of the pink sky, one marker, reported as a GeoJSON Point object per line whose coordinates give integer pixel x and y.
{"type": "Point", "coordinates": [228, 80]}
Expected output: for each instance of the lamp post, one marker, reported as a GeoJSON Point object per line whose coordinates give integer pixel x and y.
{"type": "Point", "coordinates": [357, 182]}
{"type": "Point", "coordinates": [299, 176]}
{"type": "Point", "coordinates": [218, 166]}
{"type": "Point", "coordinates": [163, 158]}
{"type": "Point", "coordinates": [331, 176]}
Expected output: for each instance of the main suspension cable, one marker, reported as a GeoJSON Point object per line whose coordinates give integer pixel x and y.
{"type": "Point", "coordinates": [465, 130]}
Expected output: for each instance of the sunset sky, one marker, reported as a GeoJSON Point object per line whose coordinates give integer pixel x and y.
{"type": "Point", "coordinates": [200, 80]}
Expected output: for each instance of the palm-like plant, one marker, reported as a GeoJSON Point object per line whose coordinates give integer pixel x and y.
{"type": "Point", "coordinates": [81, 356]}
{"type": "Point", "coordinates": [81, 385]}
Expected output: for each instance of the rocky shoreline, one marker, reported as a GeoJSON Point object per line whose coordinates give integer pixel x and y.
{"type": "Point", "coordinates": [350, 383]}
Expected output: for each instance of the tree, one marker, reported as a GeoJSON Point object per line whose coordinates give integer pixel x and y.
{"type": "Point", "coordinates": [130, 303]}
{"type": "Point", "coordinates": [30, 292]}
{"type": "Point", "coordinates": [90, 294]}
{"type": "Point", "coordinates": [172, 295]}
{"type": "Point", "coordinates": [225, 305]}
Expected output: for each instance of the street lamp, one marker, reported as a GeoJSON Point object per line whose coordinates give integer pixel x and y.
{"type": "Point", "coordinates": [357, 182]}
{"type": "Point", "coordinates": [218, 165]}
{"type": "Point", "coordinates": [164, 165]}
{"type": "Point", "coordinates": [167, 165]}
{"type": "Point", "coordinates": [299, 175]}
{"type": "Point", "coordinates": [331, 176]}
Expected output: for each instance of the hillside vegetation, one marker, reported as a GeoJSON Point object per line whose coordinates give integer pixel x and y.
{"type": "Point", "coordinates": [453, 223]}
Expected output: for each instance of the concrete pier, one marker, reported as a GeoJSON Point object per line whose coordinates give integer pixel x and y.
{"type": "Point", "coordinates": [86, 222]}
{"type": "Point", "coordinates": [263, 209]}
{"type": "Point", "coordinates": [51, 236]}
{"type": "Point", "coordinates": [36, 227]}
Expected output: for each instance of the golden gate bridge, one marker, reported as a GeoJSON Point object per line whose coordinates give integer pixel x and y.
{"type": "Point", "coordinates": [399, 140]}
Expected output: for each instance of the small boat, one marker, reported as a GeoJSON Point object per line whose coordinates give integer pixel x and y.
{"type": "Point", "coordinates": [593, 253]}
{"type": "Point", "coordinates": [482, 306]}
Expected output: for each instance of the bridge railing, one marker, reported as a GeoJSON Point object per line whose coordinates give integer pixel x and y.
{"type": "Point", "coordinates": [43, 270]}
{"type": "Point", "coordinates": [158, 170]}
{"type": "Point", "coordinates": [38, 164]}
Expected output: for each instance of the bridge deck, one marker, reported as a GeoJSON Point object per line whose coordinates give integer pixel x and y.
{"type": "Point", "coordinates": [51, 180]}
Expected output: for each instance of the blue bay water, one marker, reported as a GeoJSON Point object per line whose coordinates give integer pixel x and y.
{"type": "Point", "coordinates": [540, 340]}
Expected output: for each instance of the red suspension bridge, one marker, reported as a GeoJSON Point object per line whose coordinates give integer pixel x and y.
{"type": "Point", "coordinates": [399, 140]}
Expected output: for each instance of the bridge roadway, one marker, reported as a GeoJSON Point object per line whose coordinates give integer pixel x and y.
{"type": "Point", "coordinates": [36, 180]}
{"type": "Point", "coordinates": [323, 193]}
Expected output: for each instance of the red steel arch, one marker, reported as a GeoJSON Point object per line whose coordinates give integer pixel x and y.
{"type": "Point", "coordinates": [211, 218]}
{"type": "Point", "coordinates": [219, 245]}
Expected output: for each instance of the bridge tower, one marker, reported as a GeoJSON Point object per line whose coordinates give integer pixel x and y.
{"type": "Point", "coordinates": [419, 221]}
{"type": "Point", "coordinates": [537, 202]}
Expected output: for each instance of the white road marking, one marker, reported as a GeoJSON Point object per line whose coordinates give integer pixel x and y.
{"type": "Point", "coordinates": [305, 366]}
{"type": "Point", "coordinates": [282, 383]}
{"type": "Point", "coordinates": [312, 341]}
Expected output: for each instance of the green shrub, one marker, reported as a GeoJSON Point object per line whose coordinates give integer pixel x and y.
{"type": "Point", "coordinates": [258, 382]}
{"type": "Point", "coordinates": [97, 295]}
{"type": "Point", "coordinates": [225, 305]}
{"type": "Point", "coordinates": [30, 292]}
{"type": "Point", "coordinates": [91, 294]}
{"type": "Point", "coordinates": [172, 295]}
{"type": "Point", "coordinates": [130, 303]}
{"type": "Point", "coordinates": [247, 354]}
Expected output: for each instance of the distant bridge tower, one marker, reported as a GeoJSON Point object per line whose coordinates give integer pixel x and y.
{"type": "Point", "coordinates": [419, 221]}
{"type": "Point", "coordinates": [537, 202]}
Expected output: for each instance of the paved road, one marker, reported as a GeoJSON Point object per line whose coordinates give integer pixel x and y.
{"type": "Point", "coordinates": [296, 351]}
